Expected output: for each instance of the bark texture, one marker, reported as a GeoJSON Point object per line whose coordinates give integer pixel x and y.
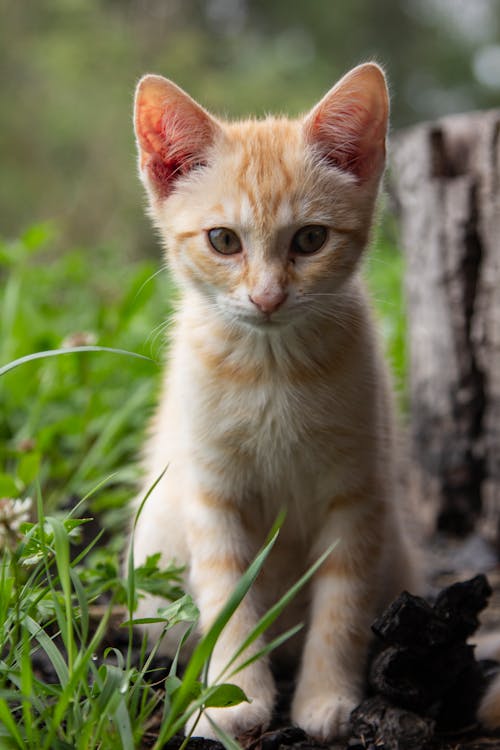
{"type": "Point", "coordinates": [445, 177]}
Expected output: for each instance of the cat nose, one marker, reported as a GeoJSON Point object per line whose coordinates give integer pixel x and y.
{"type": "Point", "coordinates": [268, 301]}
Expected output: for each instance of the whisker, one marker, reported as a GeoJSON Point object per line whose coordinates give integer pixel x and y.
{"type": "Point", "coordinates": [162, 269]}
{"type": "Point", "coordinates": [157, 335]}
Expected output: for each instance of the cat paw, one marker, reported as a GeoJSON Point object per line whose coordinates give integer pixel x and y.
{"type": "Point", "coordinates": [244, 719]}
{"type": "Point", "coordinates": [325, 717]}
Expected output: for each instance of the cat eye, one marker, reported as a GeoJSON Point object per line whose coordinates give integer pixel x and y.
{"type": "Point", "coordinates": [309, 239]}
{"type": "Point", "coordinates": [224, 240]}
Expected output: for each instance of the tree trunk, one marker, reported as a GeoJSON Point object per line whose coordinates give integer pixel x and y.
{"type": "Point", "coordinates": [445, 177]}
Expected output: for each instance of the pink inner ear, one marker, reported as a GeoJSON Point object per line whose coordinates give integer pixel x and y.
{"type": "Point", "coordinates": [348, 126]}
{"type": "Point", "coordinates": [344, 139]}
{"type": "Point", "coordinates": [351, 139]}
{"type": "Point", "coordinates": [164, 147]}
{"type": "Point", "coordinates": [163, 173]}
{"type": "Point", "coordinates": [173, 137]}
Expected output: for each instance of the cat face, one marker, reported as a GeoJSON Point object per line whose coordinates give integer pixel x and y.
{"type": "Point", "coordinates": [266, 220]}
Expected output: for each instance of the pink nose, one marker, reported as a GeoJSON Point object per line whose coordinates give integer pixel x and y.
{"type": "Point", "coordinates": [268, 302]}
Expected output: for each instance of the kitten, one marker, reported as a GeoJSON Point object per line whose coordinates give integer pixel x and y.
{"type": "Point", "coordinates": [276, 395]}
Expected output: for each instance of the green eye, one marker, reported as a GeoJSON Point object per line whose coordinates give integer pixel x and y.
{"type": "Point", "coordinates": [309, 239]}
{"type": "Point", "coordinates": [224, 240]}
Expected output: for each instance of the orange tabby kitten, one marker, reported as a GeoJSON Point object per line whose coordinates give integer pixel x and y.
{"type": "Point", "coordinates": [276, 394]}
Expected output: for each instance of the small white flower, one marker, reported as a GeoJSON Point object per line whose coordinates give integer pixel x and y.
{"type": "Point", "coordinates": [13, 513]}
{"type": "Point", "coordinates": [79, 338]}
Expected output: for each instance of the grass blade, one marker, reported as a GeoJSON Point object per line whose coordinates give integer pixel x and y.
{"type": "Point", "coordinates": [96, 455]}
{"type": "Point", "coordinates": [26, 685]}
{"type": "Point", "coordinates": [9, 722]}
{"type": "Point", "coordinates": [225, 739]}
{"type": "Point", "coordinates": [167, 705]}
{"type": "Point", "coordinates": [50, 649]}
{"type": "Point", "coordinates": [82, 661]}
{"type": "Point", "coordinates": [121, 719]}
{"type": "Point", "coordinates": [274, 612]}
{"type": "Point", "coordinates": [72, 350]}
{"type": "Point", "coordinates": [83, 605]}
{"type": "Point", "coordinates": [205, 646]}
{"type": "Point", "coordinates": [130, 583]}
{"type": "Point", "coordinates": [275, 643]}
{"type": "Point", "coordinates": [62, 557]}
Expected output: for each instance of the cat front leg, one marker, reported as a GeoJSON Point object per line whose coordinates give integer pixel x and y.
{"type": "Point", "coordinates": [344, 601]}
{"type": "Point", "coordinates": [219, 555]}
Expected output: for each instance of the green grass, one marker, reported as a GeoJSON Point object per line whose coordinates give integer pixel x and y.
{"type": "Point", "coordinates": [70, 431]}
{"type": "Point", "coordinates": [46, 598]}
{"type": "Point", "coordinates": [384, 274]}
{"type": "Point", "coordinates": [70, 422]}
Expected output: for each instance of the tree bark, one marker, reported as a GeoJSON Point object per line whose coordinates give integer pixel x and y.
{"type": "Point", "coordinates": [445, 177]}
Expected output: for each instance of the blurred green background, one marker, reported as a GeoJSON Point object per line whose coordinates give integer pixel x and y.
{"type": "Point", "coordinates": [69, 67]}
{"type": "Point", "coordinates": [79, 256]}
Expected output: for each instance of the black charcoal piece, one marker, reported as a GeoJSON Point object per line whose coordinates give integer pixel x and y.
{"type": "Point", "coordinates": [460, 604]}
{"type": "Point", "coordinates": [425, 667]}
{"type": "Point", "coordinates": [420, 680]}
{"type": "Point", "coordinates": [387, 726]}
{"type": "Point", "coordinates": [285, 737]}
{"type": "Point", "coordinates": [410, 621]}
{"type": "Point", "coordinates": [195, 743]}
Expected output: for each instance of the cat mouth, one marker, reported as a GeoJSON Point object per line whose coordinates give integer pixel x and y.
{"type": "Point", "coordinates": [255, 321]}
{"type": "Point", "coordinates": [263, 322]}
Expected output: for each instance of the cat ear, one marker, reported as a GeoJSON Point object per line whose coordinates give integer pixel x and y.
{"type": "Point", "coordinates": [349, 125]}
{"type": "Point", "coordinates": [173, 133]}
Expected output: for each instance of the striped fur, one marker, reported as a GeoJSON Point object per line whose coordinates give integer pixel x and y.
{"type": "Point", "coordinates": [262, 411]}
